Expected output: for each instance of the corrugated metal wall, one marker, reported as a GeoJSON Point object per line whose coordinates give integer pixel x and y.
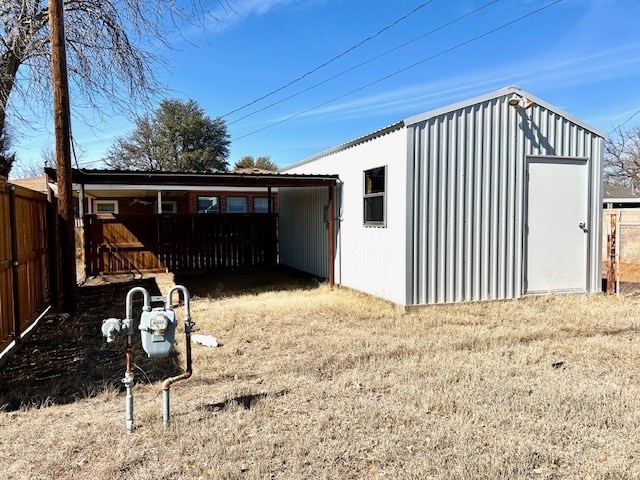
{"type": "Point", "coordinates": [303, 235]}
{"type": "Point", "coordinates": [468, 173]}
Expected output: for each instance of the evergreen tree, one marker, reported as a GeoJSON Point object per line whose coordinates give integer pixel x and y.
{"type": "Point", "coordinates": [178, 136]}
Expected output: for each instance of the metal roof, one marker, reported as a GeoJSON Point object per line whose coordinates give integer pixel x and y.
{"type": "Point", "coordinates": [496, 94]}
{"type": "Point", "coordinates": [344, 146]}
{"type": "Point", "coordinates": [443, 110]}
{"type": "Point", "coordinates": [186, 179]}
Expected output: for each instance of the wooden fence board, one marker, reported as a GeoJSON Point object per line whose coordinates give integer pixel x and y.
{"type": "Point", "coordinates": [178, 242]}
{"type": "Point", "coordinates": [24, 273]}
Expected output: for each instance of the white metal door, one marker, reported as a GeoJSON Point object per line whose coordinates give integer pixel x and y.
{"type": "Point", "coordinates": [557, 225]}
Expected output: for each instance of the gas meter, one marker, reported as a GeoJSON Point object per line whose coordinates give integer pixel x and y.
{"type": "Point", "coordinates": [158, 331]}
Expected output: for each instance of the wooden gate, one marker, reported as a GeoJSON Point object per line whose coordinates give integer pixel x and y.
{"type": "Point", "coordinates": [178, 242]}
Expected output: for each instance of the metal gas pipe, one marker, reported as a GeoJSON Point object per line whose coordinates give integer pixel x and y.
{"type": "Point", "coordinates": [128, 350]}
{"type": "Point", "coordinates": [188, 328]}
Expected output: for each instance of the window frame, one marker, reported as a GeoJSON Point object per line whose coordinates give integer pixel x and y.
{"type": "Point", "coordinates": [246, 204]}
{"type": "Point", "coordinates": [268, 199]}
{"type": "Point", "coordinates": [98, 203]}
{"type": "Point", "coordinates": [366, 196]}
{"type": "Point", "coordinates": [207, 197]}
{"type": "Point", "coordinates": [173, 203]}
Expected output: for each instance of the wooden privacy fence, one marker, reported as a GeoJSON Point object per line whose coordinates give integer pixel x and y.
{"type": "Point", "coordinates": [178, 242]}
{"type": "Point", "coordinates": [24, 260]}
{"type": "Point", "coordinates": [621, 250]}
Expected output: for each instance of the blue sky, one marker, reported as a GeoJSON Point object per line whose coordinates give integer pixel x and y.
{"type": "Point", "coordinates": [580, 55]}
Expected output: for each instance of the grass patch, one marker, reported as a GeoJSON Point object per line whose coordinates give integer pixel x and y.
{"type": "Point", "coordinates": [314, 383]}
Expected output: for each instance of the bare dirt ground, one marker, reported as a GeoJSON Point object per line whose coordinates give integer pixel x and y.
{"type": "Point", "coordinates": [317, 383]}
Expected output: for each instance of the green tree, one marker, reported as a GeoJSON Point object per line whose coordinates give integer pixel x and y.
{"type": "Point", "coordinates": [261, 163]}
{"type": "Point", "coordinates": [177, 136]}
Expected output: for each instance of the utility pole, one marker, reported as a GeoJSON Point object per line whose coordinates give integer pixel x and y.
{"type": "Point", "coordinates": [62, 122]}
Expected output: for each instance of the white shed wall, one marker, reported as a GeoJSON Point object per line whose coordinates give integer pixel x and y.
{"type": "Point", "coordinates": [368, 259]}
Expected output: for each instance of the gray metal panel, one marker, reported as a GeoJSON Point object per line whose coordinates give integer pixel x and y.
{"type": "Point", "coordinates": [468, 170]}
{"type": "Point", "coordinates": [303, 235]}
{"type": "Point", "coordinates": [506, 91]}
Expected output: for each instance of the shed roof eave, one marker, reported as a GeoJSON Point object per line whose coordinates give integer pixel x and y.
{"type": "Point", "coordinates": [343, 146]}
{"type": "Point", "coordinates": [496, 94]}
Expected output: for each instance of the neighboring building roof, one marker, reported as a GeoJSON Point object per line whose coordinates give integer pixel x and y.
{"type": "Point", "coordinates": [511, 90]}
{"type": "Point", "coordinates": [252, 170]}
{"type": "Point", "coordinates": [38, 184]}
{"type": "Point", "coordinates": [620, 194]}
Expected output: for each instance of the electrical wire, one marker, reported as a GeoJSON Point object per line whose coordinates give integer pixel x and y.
{"type": "Point", "coordinates": [322, 65]}
{"type": "Point", "coordinates": [397, 72]}
{"type": "Point", "coordinates": [387, 52]}
{"type": "Point", "coordinates": [624, 123]}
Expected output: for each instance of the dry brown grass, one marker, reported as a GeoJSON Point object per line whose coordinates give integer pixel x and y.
{"type": "Point", "coordinates": [314, 383]}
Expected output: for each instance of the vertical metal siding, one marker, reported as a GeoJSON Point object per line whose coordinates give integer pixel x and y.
{"type": "Point", "coordinates": [303, 233]}
{"type": "Point", "coordinates": [468, 220]}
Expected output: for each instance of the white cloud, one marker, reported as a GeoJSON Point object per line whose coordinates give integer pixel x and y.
{"type": "Point", "coordinates": [234, 11]}
{"type": "Point", "coordinates": [539, 74]}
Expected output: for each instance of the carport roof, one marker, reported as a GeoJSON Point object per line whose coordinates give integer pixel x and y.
{"type": "Point", "coordinates": [184, 179]}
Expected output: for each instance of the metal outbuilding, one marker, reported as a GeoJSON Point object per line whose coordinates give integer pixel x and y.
{"type": "Point", "coordinates": [491, 198]}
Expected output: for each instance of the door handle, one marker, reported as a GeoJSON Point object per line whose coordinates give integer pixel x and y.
{"type": "Point", "coordinates": [583, 226]}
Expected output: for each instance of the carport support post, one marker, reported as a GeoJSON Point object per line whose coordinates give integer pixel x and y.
{"type": "Point", "coordinates": [332, 250]}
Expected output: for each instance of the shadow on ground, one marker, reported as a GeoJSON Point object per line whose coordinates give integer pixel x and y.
{"type": "Point", "coordinates": [230, 283]}
{"type": "Point", "coordinates": [66, 358]}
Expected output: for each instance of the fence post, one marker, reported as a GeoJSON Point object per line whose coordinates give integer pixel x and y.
{"type": "Point", "coordinates": [52, 251]}
{"type": "Point", "coordinates": [13, 235]}
{"type": "Point", "coordinates": [618, 221]}
{"type": "Point", "coordinates": [611, 254]}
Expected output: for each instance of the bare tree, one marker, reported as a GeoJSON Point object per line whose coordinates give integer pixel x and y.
{"type": "Point", "coordinates": [622, 157]}
{"type": "Point", "coordinates": [35, 168]}
{"type": "Point", "coordinates": [110, 49]}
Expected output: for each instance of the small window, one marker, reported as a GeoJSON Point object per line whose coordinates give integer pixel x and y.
{"type": "Point", "coordinates": [374, 196]}
{"type": "Point", "coordinates": [208, 204]}
{"type": "Point", "coordinates": [261, 205]}
{"type": "Point", "coordinates": [106, 206]}
{"type": "Point", "coordinates": [236, 204]}
{"type": "Point", "coordinates": [168, 206]}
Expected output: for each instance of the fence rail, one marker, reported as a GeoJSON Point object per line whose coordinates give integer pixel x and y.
{"type": "Point", "coordinates": [24, 260]}
{"type": "Point", "coordinates": [178, 242]}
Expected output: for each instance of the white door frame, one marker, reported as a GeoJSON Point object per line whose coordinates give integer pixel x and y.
{"type": "Point", "coordinates": [583, 161]}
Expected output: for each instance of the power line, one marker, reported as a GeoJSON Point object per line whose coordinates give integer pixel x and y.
{"type": "Point", "coordinates": [625, 122]}
{"type": "Point", "coordinates": [397, 72]}
{"type": "Point", "coordinates": [387, 52]}
{"type": "Point", "coordinates": [315, 69]}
